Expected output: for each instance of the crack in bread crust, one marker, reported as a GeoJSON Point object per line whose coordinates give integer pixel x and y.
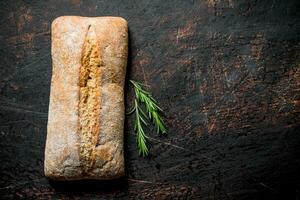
{"type": "Point", "coordinates": [89, 99]}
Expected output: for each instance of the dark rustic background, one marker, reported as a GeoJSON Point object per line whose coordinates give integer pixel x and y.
{"type": "Point", "coordinates": [226, 72]}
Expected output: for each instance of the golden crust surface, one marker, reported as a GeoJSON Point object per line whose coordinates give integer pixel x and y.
{"type": "Point", "coordinates": [86, 110]}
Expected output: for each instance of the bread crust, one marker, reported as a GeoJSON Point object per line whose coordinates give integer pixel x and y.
{"type": "Point", "coordinates": [86, 109]}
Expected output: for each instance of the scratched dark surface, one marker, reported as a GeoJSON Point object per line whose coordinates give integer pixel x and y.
{"type": "Point", "coordinates": [226, 72]}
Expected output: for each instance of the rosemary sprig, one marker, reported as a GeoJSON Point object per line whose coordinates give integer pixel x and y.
{"type": "Point", "coordinates": [138, 128]}
{"type": "Point", "coordinates": [143, 96]}
{"type": "Point", "coordinates": [151, 106]}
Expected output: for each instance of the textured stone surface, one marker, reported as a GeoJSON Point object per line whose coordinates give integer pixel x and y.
{"type": "Point", "coordinates": [226, 73]}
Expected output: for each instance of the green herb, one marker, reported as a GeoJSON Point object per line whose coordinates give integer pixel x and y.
{"type": "Point", "coordinates": [138, 128]}
{"type": "Point", "coordinates": [152, 109]}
